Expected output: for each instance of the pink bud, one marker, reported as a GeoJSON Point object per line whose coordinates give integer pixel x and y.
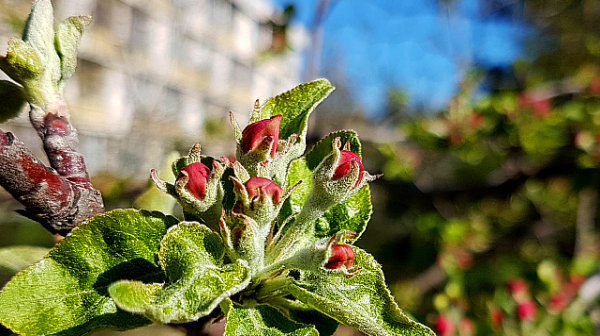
{"type": "Point", "coordinates": [527, 310]}
{"type": "Point", "coordinates": [268, 187]}
{"type": "Point", "coordinates": [517, 286]}
{"type": "Point", "coordinates": [343, 166]}
{"type": "Point", "coordinates": [466, 327]}
{"type": "Point", "coordinates": [341, 255]}
{"type": "Point", "coordinates": [255, 133]}
{"type": "Point", "coordinates": [196, 174]}
{"type": "Point", "coordinates": [443, 325]}
{"type": "Point", "coordinates": [496, 316]}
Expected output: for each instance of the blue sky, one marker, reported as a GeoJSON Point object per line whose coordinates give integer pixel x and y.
{"type": "Point", "coordinates": [416, 45]}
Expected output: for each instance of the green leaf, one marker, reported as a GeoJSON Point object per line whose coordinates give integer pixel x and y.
{"type": "Point", "coordinates": [323, 323]}
{"type": "Point", "coordinates": [67, 292]}
{"type": "Point", "coordinates": [13, 100]}
{"type": "Point", "coordinates": [67, 38]}
{"type": "Point", "coordinates": [362, 301]}
{"type": "Point", "coordinates": [352, 214]}
{"type": "Point", "coordinates": [39, 33]}
{"type": "Point", "coordinates": [22, 62]}
{"type": "Point", "coordinates": [39, 28]}
{"type": "Point", "coordinates": [296, 106]}
{"type": "Point", "coordinates": [261, 320]}
{"type": "Point", "coordinates": [191, 255]}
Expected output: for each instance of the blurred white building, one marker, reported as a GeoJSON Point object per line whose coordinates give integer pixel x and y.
{"type": "Point", "coordinates": [158, 74]}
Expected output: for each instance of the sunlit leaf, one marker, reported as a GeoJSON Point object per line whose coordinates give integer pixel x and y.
{"type": "Point", "coordinates": [66, 293]}
{"type": "Point", "coordinates": [262, 320]}
{"type": "Point", "coordinates": [191, 255]}
{"type": "Point", "coordinates": [362, 301]}
{"type": "Point", "coordinates": [296, 106]}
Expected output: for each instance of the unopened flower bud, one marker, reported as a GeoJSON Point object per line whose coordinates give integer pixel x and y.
{"type": "Point", "coordinates": [194, 177]}
{"type": "Point", "coordinates": [339, 176]}
{"type": "Point", "coordinates": [341, 255]}
{"type": "Point", "coordinates": [527, 311]}
{"type": "Point", "coordinates": [257, 186]}
{"type": "Point", "coordinates": [345, 164]}
{"type": "Point", "coordinates": [444, 325]}
{"type": "Point", "coordinates": [262, 132]}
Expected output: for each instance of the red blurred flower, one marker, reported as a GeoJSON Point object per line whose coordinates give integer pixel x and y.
{"type": "Point", "coordinates": [475, 119]}
{"type": "Point", "coordinates": [444, 325]}
{"type": "Point", "coordinates": [341, 255]}
{"type": "Point", "coordinates": [517, 286]}
{"type": "Point", "coordinates": [466, 327]}
{"type": "Point", "coordinates": [496, 316]}
{"type": "Point", "coordinates": [196, 173]}
{"type": "Point", "coordinates": [527, 310]}
{"type": "Point", "coordinates": [268, 187]}
{"type": "Point", "coordinates": [344, 164]}
{"type": "Point", "coordinates": [255, 133]}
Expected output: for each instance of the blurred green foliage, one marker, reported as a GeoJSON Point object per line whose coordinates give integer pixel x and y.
{"type": "Point", "coordinates": [504, 189]}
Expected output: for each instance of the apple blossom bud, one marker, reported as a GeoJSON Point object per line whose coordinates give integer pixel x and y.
{"type": "Point", "coordinates": [344, 165]}
{"type": "Point", "coordinates": [496, 316]}
{"type": "Point", "coordinates": [257, 185]}
{"type": "Point", "coordinates": [341, 255]}
{"type": "Point", "coordinates": [527, 311]}
{"type": "Point", "coordinates": [256, 133]}
{"type": "Point", "coordinates": [195, 174]}
{"type": "Point", "coordinates": [444, 325]}
{"type": "Point", "coordinates": [517, 286]}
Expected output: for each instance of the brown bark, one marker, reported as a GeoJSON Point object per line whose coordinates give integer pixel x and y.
{"type": "Point", "coordinates": [59, 197]}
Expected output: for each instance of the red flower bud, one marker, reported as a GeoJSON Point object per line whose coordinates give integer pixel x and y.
{"type": "Point", "coordinates": [196, 175]}
{"type": "Point", "coordinates": [517, 286]}
{"type": "Point", "coordinates": [527, 310]}
{"type": "Point", "coordinates": [255, 133]}
{"type": "Point", "coordinates": [466, 327]}
{"type": "Point", "coordinates": [341, 255]}
{"type": "Point", "coordinates": [444, 325]}
{"type": "Point", "coordinates": [270, 188]}
{"type": "Point", "coordinates": [496, 316]}
{"type": "Point", "coordinates": [343, 166]}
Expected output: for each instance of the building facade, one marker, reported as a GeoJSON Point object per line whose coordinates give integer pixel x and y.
{"type": "Point", "coordinates": [159, 75]}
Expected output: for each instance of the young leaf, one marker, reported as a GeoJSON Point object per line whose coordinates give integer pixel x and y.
{"type": "Point", "coordinates": [323, 323]}
{"type": "Point", "coordinates": [362, 301]}
{"type": "Point", "coordinates": [352, 214]}
{"type": "Point", "coordinates": [13, 99]}
{"type": "Point", "coordinates": [261, 320]}
{"type": "Point", "coordinates": [39, 33]}
{"type": "Point", "coordinates": [66, 292]}
{"type": "Point", "coordinates": [191, 255]}
{"type": "Point", "coordinates": [68, 35]}
{"type": "Point", "coordinates": [296, 106]}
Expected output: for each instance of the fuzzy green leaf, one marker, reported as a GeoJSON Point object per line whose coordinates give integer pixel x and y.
{"type": "Point", "coordinates": [261, 320]}
{"type": "Point", "coordinates": [362, 301]}
{"type": "Point", "coordinates": [13, 100]}
{"type": "Point", "coordinates": [66, 293]}
{"type": "Point", "coordinates": [296, 106]}
{"type": "Point", "coordinates": [352, 214]}
{"type": "Point", "coordinates": [191, 255]}
{"type": "Point", "coordinates": [22, 61]}
{"type": "Point", "coordinates": [68, 36]}
{"type": "Point", "coordinates": [39, 33]}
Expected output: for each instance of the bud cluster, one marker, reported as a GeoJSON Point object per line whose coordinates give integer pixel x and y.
{"type": "Point", "coordinates": [250, 223]}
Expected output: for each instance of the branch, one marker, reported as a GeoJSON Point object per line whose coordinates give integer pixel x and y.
{"type": "Point", "coordinates": [60, 197]}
